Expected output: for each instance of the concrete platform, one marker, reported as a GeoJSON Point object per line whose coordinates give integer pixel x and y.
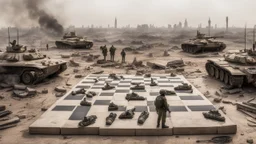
{"type": "Point", "coordinates": [186, 117]}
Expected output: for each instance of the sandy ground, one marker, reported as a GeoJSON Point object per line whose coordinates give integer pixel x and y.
{"type": "Point", "coordinates": [31, 107]}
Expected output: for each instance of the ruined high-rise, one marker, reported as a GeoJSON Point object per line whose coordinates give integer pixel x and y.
{"type": "Point", "coordinates": [186, 24]}
{"type": "Point", "coordinates": [115, 23]}
{"type": "Point", "coordinates": [209, 27]}
{"type": "Point", "coordinates": [226, 23]}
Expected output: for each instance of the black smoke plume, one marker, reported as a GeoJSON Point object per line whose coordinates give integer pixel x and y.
{"type": "Point", "coordinates": [46, 21]}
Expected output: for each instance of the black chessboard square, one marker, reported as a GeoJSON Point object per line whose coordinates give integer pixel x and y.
{"type": "Point", "coordinates": [125, 81]}
{"type": "Point", "coordinates": [166, 86]}
{"type": "Point", "coordinates": [139, 91]}
{"type": "Point", "coordinates": [150, 103]}
{"type": "Point", "coordinates": [122, 91]}
{"type": "Point", "coordinates": [201, 107]}
{"type": "Point", "coordinates": [141, 108]}
{"type": "Point", "coordinates": [123, 86]}
{"type": "Point", "coordinates": [99, 84]}
{"type": "Point", "coordinates": [102, 102]}
{"type": "Point", "coordinates": [83, 86]}
{"type": "Point", "coordinates": [113, 84]}
{"type": "Point", "coordinates": [74, 97]}
{"type": "Point", "coordinates": [175, 81]}
{"type": "Point", "coordinates": [79, 113]}
{"type": "Point", "coordinates": [96, 87]}
{"type": "Point", "coordinates": [163, 81]}
{"type": "Point", "coordinates": [63, 108]}
{"type": "Point", "coordinates": [107, 94]}
{"type": "Point", "coordinates": [191, 98]}
{"type": "Point", "coordinates": [120, 108]}
{"type": "Point", "coordinates": [178, 108]}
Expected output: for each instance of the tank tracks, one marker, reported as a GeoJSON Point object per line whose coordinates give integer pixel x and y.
{"type": "Point", "coordinates": [193, 49]}
{"type": "Point", "coordinates": [223, 75]}
{"type": "Point", "coordinates": [68, 46]}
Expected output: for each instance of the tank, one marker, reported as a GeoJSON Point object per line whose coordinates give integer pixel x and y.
{"type": "Point", "coordinates": [202, 43]}
{"type": "Point", "coordinates": [235, 69]}
{"type": "Point", "coordinates": [71, 40]}
{"type": "Point", "coordinates": [30, 65]}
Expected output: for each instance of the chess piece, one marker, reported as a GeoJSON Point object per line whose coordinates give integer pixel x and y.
{"type": "Point", "coordinates": [134, 96]}
{"type": "Point", "coordinates": [173, 75]}
{"type": "Point", "coordinates": [107, 87]}
{"type": "Point", "coordinates": [87, 120]}
{"type": "Point", "coordinates": [79, 91]}
{"type": "Point", "coordinates": [143, 117]}
{"type": "Point", "coordinates": [96, 80]}
{"type": "Point", "coordinates": [113, 76]}
{"type": "Point", "coordinates": [138, 87]}
{"type": "Point", "coordinates": [214, 115]}
{"type": "Point", "coordinates": [147, 75]}
{"type": "Point", "coordinates": [128, 114]}
{"type": "Point", "coordinates": [153, 83]}
{"type": "Point", "coordinates": [122, 77]}
{"type": "Point", "coordinates": [111, 118]}
{"type": "Point", "coordinates": [112, 107]}
{"type": "Point", "coordinates": [84, 102]}
{"type": "Point", "coordinates": [184, 87]}
{"type": "Point", "coordinates": [90, 94]}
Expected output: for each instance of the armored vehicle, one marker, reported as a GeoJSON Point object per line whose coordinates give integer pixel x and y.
{"type": "Point", "coordinates": [71, 40]}
{"type": "Point", "coordinates": [234, 69]}
{"type": "Point", "coordinates": [202, 43]}
{"type": "Point", "coordinates": [31, 65]}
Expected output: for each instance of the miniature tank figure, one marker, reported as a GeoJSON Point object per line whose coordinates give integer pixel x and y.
{"type": "Point", "coordinates": [71, 40]}
{"type": "Point", "coordinates": [32, 67]}
{"type": "Point", "coordinates": [202, 43]}
{"type": "Point", "coordinates": [111, 118]}
{"type": "Point", "coordinates": [143, 117]}
{"type": "Point", "coordinates": [184, 86]}
{"type": "Point", "coordinates": [134, 96]}
{"type": "Point", "coordinates": [128, 114]}
{"type": "Point", "coordinates": [112, 107]}
{"type": "Point", "coordinates": [234, 69]}
{"type": "Point", "coordinates": [87, 120]}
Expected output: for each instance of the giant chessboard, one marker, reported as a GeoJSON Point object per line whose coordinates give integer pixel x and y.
{"type": "Point", "coordinates": [186, 117]}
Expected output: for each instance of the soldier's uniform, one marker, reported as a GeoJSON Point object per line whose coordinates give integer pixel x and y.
{"type": "Point", "coordinates": [161, 111]}
{"type": "Point", "coordinates": [112, 51]}
{"type": "Point", "coordinates": [104, 51]}
{"type": "Point", "coordinates": [123, 54]}
{"type": "Point", "coordinates": [47, 46]}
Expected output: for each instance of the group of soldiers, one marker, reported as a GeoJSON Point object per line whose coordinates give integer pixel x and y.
{"type": "Point", "coordinates": [112, 51]}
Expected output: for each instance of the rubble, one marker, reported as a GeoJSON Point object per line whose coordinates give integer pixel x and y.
{"type": "Point", "coordinates": [44, 91]}
{"type": "Point", "coordinates": [65, 56]}
{"type": "Point", "coordinates": [154, 65]}
{"type": "Point", "coordinates": [60, 89]}
{"type": "Point", "coordinates": [137, 63]}
{"type": "Point", "coordinates": [75, 54]}
{"type": "Point", "coordinates": [43, 109]}
{"type": "Point", "coordinates": [217, 100]}
{"type": "Point", "coordinates": [150, 55]}
{"type": "Point", "coordinates": [73, 63]}
{"type": "Point", "coordinates": [75, 70]}
{"type": "Point", "coordinates": [2, 107]}
{"type": "Point", "coordinates": [60, 94]}
{"type": "Point", "coordinates": [175, 63]}
{"type": "Point", "coordinates": [137, 42]}
{"type": "Point", "coordinates": [180, 69]}
{"type": "Point", "coordinates": [249, 141]}
{"type": "Point", "coordinates": [23, 116]}
{"type": "Point", "coordinates": [19, 87]}
{"type": "Point", "coordinates": [5, 113]}
{"type": "Point", "coordinates": [78, 76]}
{"type": "Point", "coordinates": [118, 42]}
{"type": "Point", "coordinates": [98, 72]}
{"type": "Point", "coordinates": [231, 91]}
{"type": "Point", "coordinates": [166, 53]}
{"type": "Point", "coordinates": [9, 123]}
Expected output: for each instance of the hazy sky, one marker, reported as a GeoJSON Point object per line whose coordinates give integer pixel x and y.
{"type": "Point", "coordinates": [158, 12]}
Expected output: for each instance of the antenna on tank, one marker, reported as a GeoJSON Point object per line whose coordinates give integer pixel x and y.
{"type": "Point", "coordinates": [8, 36]}
{"type": "Point", "coordinates": [17, 36]}
{"type": "Point", "coordinates": [245, 38]}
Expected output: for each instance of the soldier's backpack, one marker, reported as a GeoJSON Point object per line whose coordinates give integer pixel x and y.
{"type": "Point", "coordinates": [158, 102]}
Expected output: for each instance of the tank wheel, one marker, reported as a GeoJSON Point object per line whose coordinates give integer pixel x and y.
{"type": "Point", "coordinates": [212, 70]}
{"type": "Point", "coordinates": [226, 78]}
{"type": "Point", "coordinates": [28, 77]}
{"type": "Point", "coordinates": [207, 66]}
{"type": "Point", "coordinates": [221, 75]}
{"type": "Point", "coordinates": [217, 73]}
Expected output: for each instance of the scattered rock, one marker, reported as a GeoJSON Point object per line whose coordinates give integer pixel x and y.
{"type": "Point", "coordinates": [75, 70]}
{"type": "Point", "coordinates": [166, 53]}
{"type": "Point", "coordinates": [175, 63]}
{"type": "Point", "coordinates": [175, 48]}
{"type": "Point", "coordinates": [137, 42]}
{"type": "Point", "coordinates": [67, 137]}
{"type": "Point", "coordinates": [150, 55]}
{"type": "Point", "coordinates": [217, 100]}
{"type": "Point", "coordinates": [217, 93]}
{"type": "Point", "coordinates": [231, 91]}
{"type": "Point", "coordinates": [75, 54]}
{"type": "Point", "coordinates": [60, 89]}
{"type": "Point", "coordinates": [207, 93]}
{"type": "Point", "coordinates": [60, 94]}
{"type": "Point", "coordinates": [137, 63]}
{"type": "Point", "coordinates": [43, 109]}
{"type": "Point", "coordinates": [2, 107]}
{"type": "Point", "coordinates": [31, 91]}
{"type": "Point", "coordinates": [23, 116]}
{"type": "Point", "coordinates": [20, 87]}
{"type": "Point", "coordinates": [78, 76]}
{"type": "Point", "coordinates": [65, 56]}
{"type": "Point", "coordinates": [44, 91]}
{"type": "Point", "coordinates": [98, 72]}
{"type": "Point", "coordinates": [155, 65]}
{"type": "Point", "coordinates": [20, 93]}
{"type": "Point", "coordinates": [250, 141]}
{"type": "Point", "coordinates": [180, 69]}
{"type": "Point", "coordinates": [73, 63]}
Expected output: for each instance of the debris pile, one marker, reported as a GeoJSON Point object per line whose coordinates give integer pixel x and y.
{"type": "Point", "coordinates": [248, 107]}
{"type": "Point", "coordinates": [175, 63]}
{"type": "Point", "coordinates": [7, 122]}
{"type": "Point", "coordinates": [23, 91]}
{"type": "Point", "coordinates": [73, 63]}
{"type": "Point", "coordinates": [137, 42]}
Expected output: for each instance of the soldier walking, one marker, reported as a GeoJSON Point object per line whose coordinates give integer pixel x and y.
{"type": "Point", "coordinates": [123, 54]}
{"type": "Point", "coordinates": [112, 51]}
{"type": "Point", "coordinates": [161, 108]}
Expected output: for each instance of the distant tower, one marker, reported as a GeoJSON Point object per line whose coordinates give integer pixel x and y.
{"type": "Point", "coordinates": [115, 23]}
{"type": "Point", "coordinates": [226, 24]}
{"type": "Point", "coordinates": [216, 26]}
{"type": "Point", "coordinates": [209, 27]}
{"type": "Point", "coordinates": [186, 24]}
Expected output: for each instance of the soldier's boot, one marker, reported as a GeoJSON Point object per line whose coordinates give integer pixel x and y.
{"type": "Point", "coordinates": [164, 126]}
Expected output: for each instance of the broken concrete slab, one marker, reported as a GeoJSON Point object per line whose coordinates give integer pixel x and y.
{"type": "Point", "coordinates": [2, 107]}
{"type": "Point", "coordinates": [156, 65]}
{"type": "Point", "coordinates": [11, 121]}
{"type": "Point", "coordinates": [175, 63]}
{"type": "Point", "coordinates": [4, 113]}
{"type": "Point", "coordinates": [74, 63]}
{"type": "Point", "coordinates": [19, 87]}
{"type": "Point", "coordinates": [65, 56]}
{"type": "Point", "coordinates": [60, 89]}
{"type": "Point", "coordinates": [20, 93]}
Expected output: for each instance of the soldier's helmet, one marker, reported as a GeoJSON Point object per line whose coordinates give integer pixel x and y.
{"type": "Point", "coordinates": [162, 92]}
